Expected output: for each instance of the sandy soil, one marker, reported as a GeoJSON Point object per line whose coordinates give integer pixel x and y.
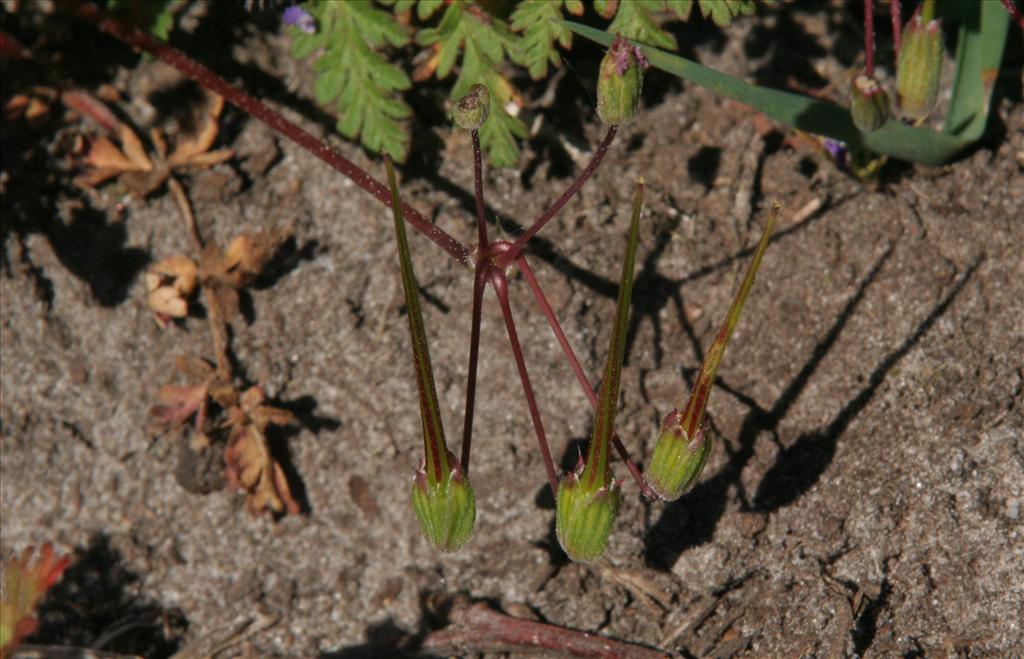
{"type": "Point", "coordinates": [865, 497]}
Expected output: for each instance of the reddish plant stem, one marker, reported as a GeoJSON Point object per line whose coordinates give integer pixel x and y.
{"type": "Point", "coordinates": [500, 285]}
{"type": "Point", "coordinates": [1015, 14]}
{"type": "Point", "coordinates": [479, 282]}
{"type": "Point", "coordinates": [478, 193]}
{"type": "Point", "coordinates": [477, 628]}
{"type": "Point", "coordinates": [507, 258]}
{"type": "Point", "coordinates": [577, 370]}
{"type": "Point", "coordinates": [869, 37]}
{"type": "Point", "coordinates": [897, 25]}
{"type": "Point", "coordinates": [276, 121]}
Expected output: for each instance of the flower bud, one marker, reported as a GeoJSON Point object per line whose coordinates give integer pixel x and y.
{"type": "Point", "coordinates": [472, 109]}
{"type": "Point", "coordinates": [869, 104]}
{"type": "Point", "coordinates": [918, 67]}
{"type": "Point", "coordinates": [618, 83]}
{"type": "Point", "coordinates": [446, 509]}
{"type": "Point", "coordinates": [678, 460]}
{"type": "Point", "coordinates": [584, 515]}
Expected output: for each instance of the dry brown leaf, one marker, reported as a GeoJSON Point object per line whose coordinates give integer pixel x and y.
{"type": "Point", "coordinates": [169, 284]}
{"type": "Point", "coordinates": [137, 170]}
{"type": "Point", "coordinates": [177, 403]}
{"type": "Point", "coordinates": [249, 465]}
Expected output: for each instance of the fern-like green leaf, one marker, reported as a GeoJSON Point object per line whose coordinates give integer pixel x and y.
{"type": "Point", "coordinates": [353, 74]}
{"type": "Point", "coordinates": [634, 20]}
{"type": "Point", "coordinates": [484, 43]}
{"type": "Point", "coordinates": [540, 21]}
{"type": "Point", "coordinates": [723, 11]}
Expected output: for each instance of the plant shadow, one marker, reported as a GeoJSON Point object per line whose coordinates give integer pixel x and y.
{"type": "Point", "coordinates": [95, 606]}
{"type": "Point", "coordinates": [692, 520]}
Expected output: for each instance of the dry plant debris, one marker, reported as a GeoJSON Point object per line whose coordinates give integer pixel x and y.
{"type": "Point", "coordinates": [143, 171]}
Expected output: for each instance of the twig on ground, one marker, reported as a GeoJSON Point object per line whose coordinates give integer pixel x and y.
{"type": "Point", "coordinates": [477, 628]}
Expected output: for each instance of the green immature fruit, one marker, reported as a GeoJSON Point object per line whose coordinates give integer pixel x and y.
{"type": "Point", "coordinates": [446, 509]}
{"type": "Point", "coordinates": [869, 104]}
{"type": "Point", "coordinates": [585, 514]}
{"type": "Point", "coordinates": [472, 109]}
{"type": "Point", "coordinates": [683, 443]}
{"type": "Point", "coordinates": [919, 65]}
{"type": "Point", "coordinates": [588, 498]}
{"type": "Point", "coordinates": [678, 460]}
{"type": "Point", "coordinates": [441, 494]}
{"type": "Point", "coordinates": [618, 83]}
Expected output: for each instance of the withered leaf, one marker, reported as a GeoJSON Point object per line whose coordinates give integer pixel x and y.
{"type": "Point", "coordinates": [131, 163]}
{"type": "Point", "coordinates": [249, 464]}
{"type": "Point", "coordinates": [168, 286]}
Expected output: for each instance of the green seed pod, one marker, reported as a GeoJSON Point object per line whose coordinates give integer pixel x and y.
{"type": "Point", "coordinates": [918, 67]}
{"type": "Point", "coordinates": [619, 82]}
{"type": "Point", "coordinates": [584, 515]}
{"type": "Point", "coordinates": [678, 461]}
{"type": "Point", "coordinates": [869, 104]}
{"type": "Point", "coordinates": [447, 509]}
{"type": "Point", "coordinates": [472, 109]}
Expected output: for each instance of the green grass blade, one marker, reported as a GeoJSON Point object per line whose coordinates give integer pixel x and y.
{"type": "Point", "coordinates": [801, 112]}
{"type": "Point", "coordinates": [979, 53]}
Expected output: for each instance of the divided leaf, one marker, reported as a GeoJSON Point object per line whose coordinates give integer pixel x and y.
{"type": "Point", "coordinates": [636, 19]}
{"type": "Point", "coordinates": [249, 464]}
{"type": "Point", "coordinates": [484, 43]}
{"type": "Point", "coordinates": [141, 171]}
{"type": "Point", "coordinates": [540, 21]}
{"type": "Point", "coordinates": [354, 75]}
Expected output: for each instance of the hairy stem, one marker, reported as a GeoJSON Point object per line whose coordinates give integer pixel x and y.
{"type": "Point", "coordinates": [276, 121]}
{"type": "Point", "coordinates": [897, 25]}
{"type": "Point", "coordinates": [869, 37]}
{"type": "Point", "coordinates": [577, 370]}
{"type": "Point", "coordinates": [500, 285]}
{"type": "Point", "coordinates": [517, 248]}
{"type": "Point", "coordinates": [479, 282]}
{"type": "Point", "coordinates": [1015, 14]}
{"type": "Point", "coordinates": [478, 193]}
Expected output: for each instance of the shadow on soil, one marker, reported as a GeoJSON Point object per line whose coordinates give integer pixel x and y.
{"type": "Point", "coordinates": [93, 606]}
{"type": "Point", "coordinates": [691, 521]}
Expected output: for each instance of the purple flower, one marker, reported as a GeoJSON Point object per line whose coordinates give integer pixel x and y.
{"type": "Point", "coordinates": [300, 18]}
{"type": "Point", "coordinates": [837, 150]}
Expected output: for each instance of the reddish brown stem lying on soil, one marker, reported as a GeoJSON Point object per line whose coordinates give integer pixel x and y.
{"type": "Point", "coordinates": [271, 118]}
{"type": "Point", "coordinates": [577, 370]}
{"type": "Point", "coordinates": [1015, 14]}
{"type": "Point", "coordinates": [478, 628]}
{"type": "Point", "coordinates": [500, 286]}
{"type": "Point", "coordinates": [506, 259]}
{"type": "Point", "coordinates": [897, 25]}
{"type": "Point", "coordinates": [869, 37]}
